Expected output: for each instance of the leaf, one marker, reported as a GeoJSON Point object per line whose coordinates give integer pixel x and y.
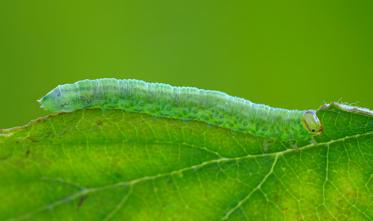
{"type": "Point", "coordinates": [113, 165]}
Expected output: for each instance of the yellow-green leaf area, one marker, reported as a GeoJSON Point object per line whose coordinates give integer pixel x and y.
{"type": "Point", "coordinates": [114, 165]}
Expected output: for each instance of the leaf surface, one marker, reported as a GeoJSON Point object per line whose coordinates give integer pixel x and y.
{"type": "Point", "coordinates": [113, 165]}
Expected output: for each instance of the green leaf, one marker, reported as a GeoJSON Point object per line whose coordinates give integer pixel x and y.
{"type": "Point", "coordinates": [113, 165]}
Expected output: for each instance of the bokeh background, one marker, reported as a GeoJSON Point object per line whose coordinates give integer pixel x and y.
{"type": "Point", "coordinates": [289, 53]}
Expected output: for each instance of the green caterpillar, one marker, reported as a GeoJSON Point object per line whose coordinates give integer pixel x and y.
{"type": "Point", "coordinates": [186, 103]}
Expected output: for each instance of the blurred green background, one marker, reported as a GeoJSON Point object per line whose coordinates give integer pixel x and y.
{"type": "Point", "coordinates": [292, 54]}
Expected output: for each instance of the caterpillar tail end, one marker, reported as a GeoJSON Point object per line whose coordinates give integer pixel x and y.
{"type": "Point", "coordinates": [42, 104]}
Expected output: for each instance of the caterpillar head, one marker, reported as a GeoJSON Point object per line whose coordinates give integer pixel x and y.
{"type": "Point", "coordinates": [311, 122]}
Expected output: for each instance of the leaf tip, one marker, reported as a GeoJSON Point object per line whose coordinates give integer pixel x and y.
{"type": "Point", "coordinates": [347, 108]}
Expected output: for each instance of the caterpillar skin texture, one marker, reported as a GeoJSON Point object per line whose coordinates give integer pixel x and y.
{"type": "Point", "coordinates": [186, 103]}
